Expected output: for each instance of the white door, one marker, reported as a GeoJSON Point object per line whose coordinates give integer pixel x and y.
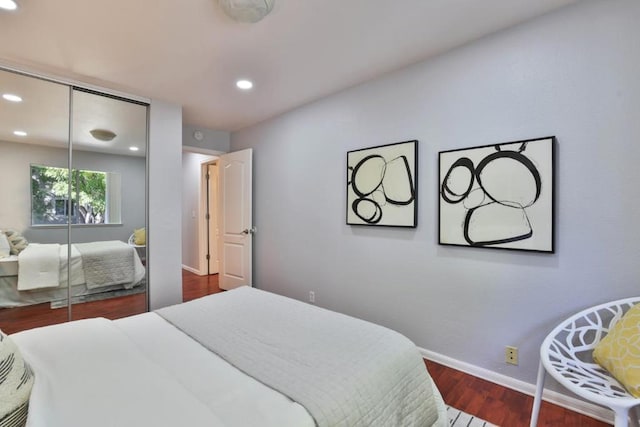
{"type": "Point", "coordinates": [235, 219]}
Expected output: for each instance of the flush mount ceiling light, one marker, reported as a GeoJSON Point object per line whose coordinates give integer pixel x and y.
{"type": "Point", "coordinates": [19, 133]}
{"type": "Point", "coordinates": [244, 84]}
{"type": "Point", "coordinates": [133, 148]}
{"type": "Point", "coordinates": [250, 11]}
{"type": "Point", "coordinates": [8, 5]}
{"type": "Point", "coordinates": [102, 134]}
{"type": "Point", "coordinates": [11, 97]}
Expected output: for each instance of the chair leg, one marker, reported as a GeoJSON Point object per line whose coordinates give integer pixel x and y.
{"type": "Point", "coordinates": [622, 417]}
{"type": "Point", "coordinates": [635, 416]}
{"type": "Point", "coordinates": [537, 400]}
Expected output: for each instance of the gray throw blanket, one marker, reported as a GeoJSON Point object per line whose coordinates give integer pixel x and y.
{"type": "Point", "coordinates": [107, 263]}
{"type": "Point", "coordinates": [344, 371]}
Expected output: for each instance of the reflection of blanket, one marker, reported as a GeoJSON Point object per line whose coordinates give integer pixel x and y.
{"type": "Point", "coordinates": [39, 266]}
{"type": "Point", "coordinates": [107, 263]}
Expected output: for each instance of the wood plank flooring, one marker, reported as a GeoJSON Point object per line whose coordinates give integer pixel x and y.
{"type": "Point", "coordinates": [500, 405]}
{"type": "Point", "coordinates": [494, 403]}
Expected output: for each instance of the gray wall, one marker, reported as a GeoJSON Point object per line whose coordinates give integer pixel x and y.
{"type": "Point", "coordinates": [213, 140]}
{"type": "Point", "coordinates": [15, 192]}
{"type": "Point", "coordinates": [573, 74]}
{"type": "Point", "coordinates": [165, 213]}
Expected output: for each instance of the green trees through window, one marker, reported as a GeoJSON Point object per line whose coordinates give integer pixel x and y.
{"type": "Point", "coordinates": [50, 196]}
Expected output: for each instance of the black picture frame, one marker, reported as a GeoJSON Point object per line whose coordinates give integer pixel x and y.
{"type": "Point", "coordinates": [498, 196]}
{"type": "Point", "coordinates": [382, 185]}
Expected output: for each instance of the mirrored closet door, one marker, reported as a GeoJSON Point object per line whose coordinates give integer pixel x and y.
{"type": "Point", "coordinates": [73, 163]}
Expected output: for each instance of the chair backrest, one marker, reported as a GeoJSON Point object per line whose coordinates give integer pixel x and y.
{"type": "Point", "coordinates": [567, 352]}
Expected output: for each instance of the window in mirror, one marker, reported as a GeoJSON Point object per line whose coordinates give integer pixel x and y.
{"type": "Point", "coordinates": [95, 196]}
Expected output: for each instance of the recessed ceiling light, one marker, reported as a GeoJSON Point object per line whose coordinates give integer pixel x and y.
{"type": "Point", "coordinates": [19, 133]}
{"type": "Point", "coordinates": [133, 148]}
{"type": "Point", "coordinates": [8, 5]}
{"type": "Point", "coordinates": [11, 97]}
{"type": "Point", "coordinates": [244, 84]}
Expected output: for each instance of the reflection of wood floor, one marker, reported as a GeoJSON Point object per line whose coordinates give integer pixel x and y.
{"type": "Point", "coordinates": [33, 316]}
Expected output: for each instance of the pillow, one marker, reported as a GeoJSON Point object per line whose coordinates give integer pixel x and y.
{"type": "Point", "coordinates": [140, 236]}
{"type": "Point", "coordinates": [16, 240]}
{"type": "Point", "coordinates": [619, 351]}
{"type": "Point", "coordinates": [5, 247]}
{"type": "Point", "coordinates": [16, 381]}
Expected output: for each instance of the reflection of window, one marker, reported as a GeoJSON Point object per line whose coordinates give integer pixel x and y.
{"type": "Point", "coordinates": [95, 196]}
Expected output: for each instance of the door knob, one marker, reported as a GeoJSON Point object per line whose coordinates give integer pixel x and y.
{"type": "Point", "coordinates": [251, 230]}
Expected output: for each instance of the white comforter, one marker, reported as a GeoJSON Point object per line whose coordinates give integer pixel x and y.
{"type": "Point", "coordinates": [141, 371]}
{"type": "Point", "coordinates": [96, 264]}
{"type": "Point", "coordinates": [39, 266]}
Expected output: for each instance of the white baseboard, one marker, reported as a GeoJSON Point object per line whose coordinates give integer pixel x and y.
{"type": "Point", "coordinates": [571, 403]}
{"type": "Point", "coordinates": [193, 270]}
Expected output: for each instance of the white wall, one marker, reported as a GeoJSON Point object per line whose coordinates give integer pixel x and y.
{"type": "Point", "coordinates": [573, 74]}
{"type": "Point", "coordinates": [165, 199]}
{"type": "Point", "coordinates": [191, 189]}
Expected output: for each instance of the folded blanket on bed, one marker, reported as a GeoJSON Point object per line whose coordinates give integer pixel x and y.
{"type": "Point", "coordinates": [107, 263]}
{"type": "Point", "coordinates": [39, 266]}
{"type": "Point", "coordinates": [344, 371]}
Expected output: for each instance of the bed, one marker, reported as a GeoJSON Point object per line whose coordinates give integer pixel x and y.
{"type": "Point", "coordinates": [239, 358]}
{"type": "Point", "coordinates": [40, 272]}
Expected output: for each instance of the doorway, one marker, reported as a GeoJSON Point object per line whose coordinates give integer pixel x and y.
{"type": "Point", "coordinates": [209, 200]}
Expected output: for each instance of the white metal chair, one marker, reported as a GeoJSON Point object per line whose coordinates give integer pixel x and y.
{"type": "Point", "coordinates": [566, 354]}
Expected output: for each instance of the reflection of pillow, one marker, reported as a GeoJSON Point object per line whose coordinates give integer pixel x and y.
{"type": "Point", "coordinates": [140, 236]}
{"type": "Point", "coordinates": [17, 241]}
{"type": "Point", "coordinates": [16, 380]}
{"type": "Point", "coordinates": [5, 247]}
{"type": "Point", "coordinates": [619, 351]}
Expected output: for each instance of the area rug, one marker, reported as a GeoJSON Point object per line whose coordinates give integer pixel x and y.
{"type": "Point", "coordinates": [458, 418]}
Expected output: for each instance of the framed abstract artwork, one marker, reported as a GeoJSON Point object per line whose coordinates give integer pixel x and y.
{"type": "Point", "coordinates": [382, 185]}
{"type": "Point", "coordinates": [498, 196]}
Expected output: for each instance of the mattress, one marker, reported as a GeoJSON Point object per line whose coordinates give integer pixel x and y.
{"type": "Point", "coordinates": [9, 266]}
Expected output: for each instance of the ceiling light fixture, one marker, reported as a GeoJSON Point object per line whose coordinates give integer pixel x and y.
{"type": "Point", "coordinates": [11, 97]}
{"type": "Point", "coordinates": [8, 5]}
{"type": "Point", "coordinates": [250, 11]}
{"type": "Point", "coordinates": [244, 84]}
{"type": "Point", "coordinates": [102, 134]}
{"type": "Point", "coordinates": [133, 148]}
{"type": "Point", "coordinates": [19, 133]}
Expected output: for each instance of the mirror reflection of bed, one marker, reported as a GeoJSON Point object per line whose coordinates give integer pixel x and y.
{"type": "Point", "coordinates": [34, 283]}
{"type": "Point", "coordinates": [89, 190]}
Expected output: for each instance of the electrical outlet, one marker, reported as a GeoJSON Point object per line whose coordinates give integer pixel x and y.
{"type": "Point", "coordinates": [312, 297]}
{"type": "Point", "coordinates": [511, 355]}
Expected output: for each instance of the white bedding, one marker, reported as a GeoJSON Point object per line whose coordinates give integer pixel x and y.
{"type": "Point", "coordinates": [143, 371]}
{"type": "Point", "coordinates": [92, 373]}
{"type": "Point", "coordinates": [344, 371]}
{"type": "Point", "coordinates": [39, 266]}
{"type": "Point", "coordinates": [10, 296]}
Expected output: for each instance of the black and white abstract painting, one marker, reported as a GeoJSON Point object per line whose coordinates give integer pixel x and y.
{"type": "Point", "coordinates": [498, 196]}
{"type": "Point", "coordinates": [381, 185]}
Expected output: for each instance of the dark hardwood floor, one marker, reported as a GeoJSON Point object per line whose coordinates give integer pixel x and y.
{"type": "Point", "coordinates": [494, 403]}
{"type": "Point", "coordinates": [500, 405]}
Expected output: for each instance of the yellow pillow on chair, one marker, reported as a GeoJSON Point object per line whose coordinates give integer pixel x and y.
{"type": "Point", "coordinates": [140, 236]}
{"type": "Point", "coordinates": [619, 351]}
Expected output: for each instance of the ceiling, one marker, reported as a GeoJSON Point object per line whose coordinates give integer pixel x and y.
{"type": "Point", "coordinates": [190, 53]}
